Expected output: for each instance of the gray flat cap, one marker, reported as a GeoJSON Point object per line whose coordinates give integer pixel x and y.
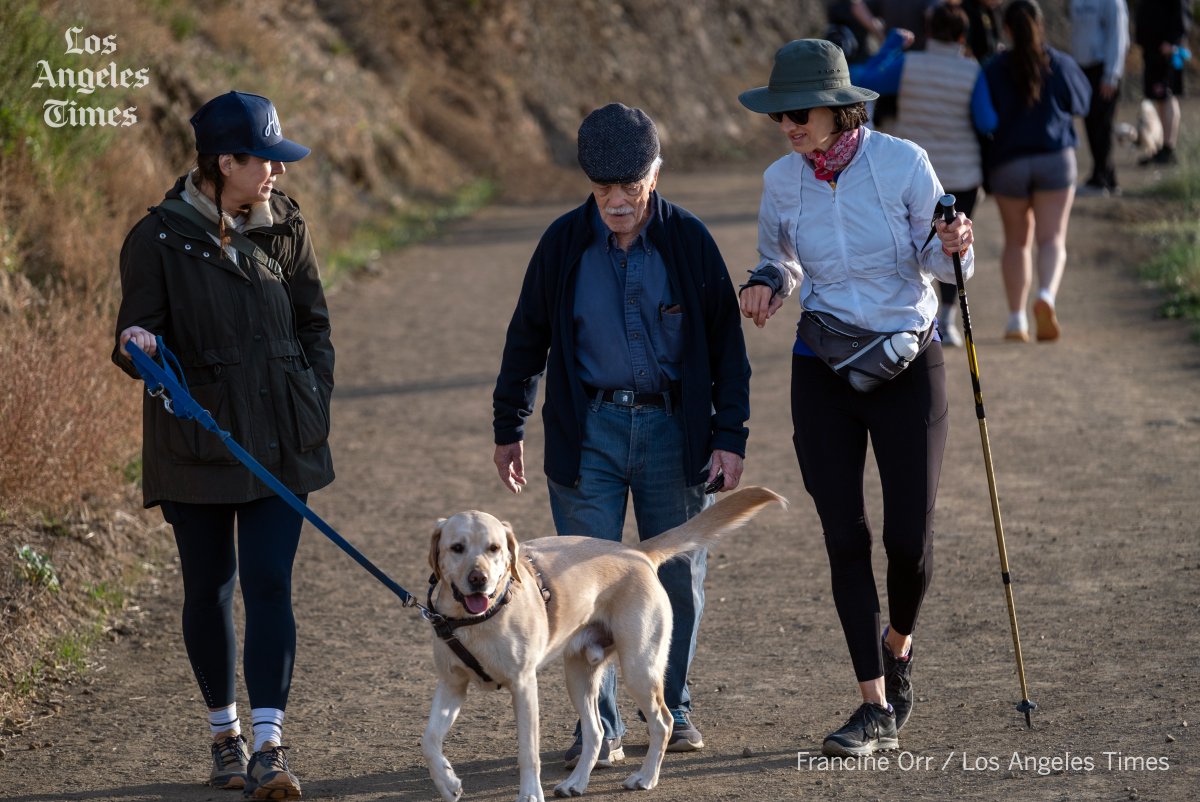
{"type": "Point", "coordinates": [617, 144]}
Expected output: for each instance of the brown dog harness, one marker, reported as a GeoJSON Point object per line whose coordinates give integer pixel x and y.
{"type": "Point", "coordinates": [444, 626]}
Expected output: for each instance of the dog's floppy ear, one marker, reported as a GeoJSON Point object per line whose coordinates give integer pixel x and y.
{"type": "Point", "coordinates": [435, 542]}
{"type": "Point", "coordinates": [513, 552]}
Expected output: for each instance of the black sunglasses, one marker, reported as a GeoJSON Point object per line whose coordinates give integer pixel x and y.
{"type": "Point", "coordinates": [798, 116]}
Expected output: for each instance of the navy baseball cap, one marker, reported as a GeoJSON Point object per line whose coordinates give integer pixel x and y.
{"type": "Point", "coordinates": [237, 122]}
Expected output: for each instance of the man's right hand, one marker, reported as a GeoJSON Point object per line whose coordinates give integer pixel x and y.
{"type": "Point", "coordinates": [510, 464]}
{"type": "Point", "coordinates": [143, 338]}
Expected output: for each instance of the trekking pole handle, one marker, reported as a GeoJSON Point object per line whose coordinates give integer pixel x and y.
{"type": "Point", "coordinates": [946, 203]}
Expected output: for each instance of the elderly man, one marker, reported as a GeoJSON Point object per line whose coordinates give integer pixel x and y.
{"type": "Point", "coordinates": [628, 309]}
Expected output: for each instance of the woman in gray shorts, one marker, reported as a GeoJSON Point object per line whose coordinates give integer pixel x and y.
{"type": "Point", "coordinates": [1036, 91]}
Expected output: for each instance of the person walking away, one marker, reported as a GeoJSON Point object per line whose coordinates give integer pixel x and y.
{"type": "Point", "coordinates": [1099, 43]}
{"type": "Point", "coordinates": [252, 336]}
{"type": "Point", "coordinates": [943, 105]}
{"type": "Point", "coordinates": [845, 224]}
{"type": "Point", "coordinates": [628, 309]}
{"type": "Point", "coordinates": [1037, 91]}
{"type": "Point", "coordinates": [1162, 28]}
{"type": "Point", "coordinates": [854, 27]}
{"type": "Point", "coordinates": [983, 28]}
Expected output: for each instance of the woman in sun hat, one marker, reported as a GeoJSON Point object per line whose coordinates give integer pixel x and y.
{"type": "Point", "coordinates": [845, 221]}
{"type": "Point", "coordinates": [251, 331]}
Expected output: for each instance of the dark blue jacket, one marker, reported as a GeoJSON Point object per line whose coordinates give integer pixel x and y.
{"type": "Point", "coordinates": [1045, 127]}
{"type": "Point", "coordinates": [715, 374]}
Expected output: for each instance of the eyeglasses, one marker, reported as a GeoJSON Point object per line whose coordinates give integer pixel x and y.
{"type": "Point", "coordinates": [798, 116]}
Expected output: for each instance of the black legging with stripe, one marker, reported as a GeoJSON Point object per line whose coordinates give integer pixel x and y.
{"type": "Point", "coordinates": [268, 532]}
{"type": "Point", "coordinates": [906, 422]}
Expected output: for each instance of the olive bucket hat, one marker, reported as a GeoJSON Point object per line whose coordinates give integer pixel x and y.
{"type": "Point", "coordinates": [808, 73]}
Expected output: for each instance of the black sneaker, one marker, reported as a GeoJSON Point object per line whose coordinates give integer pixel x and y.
{"type": "Point", "coordinates": [870, 729]}
{"type": "Point", "coordinates": [684, 735]}
{"type": "Point", "coordinates": [268, 777]}
{"type": "Point", "coordinates": [229, 759]}
{"type": "Point", "coordinates": [899, 687]}
{"type": "Point", "coordinates": [611, 753]}
{"type": "Point", "coordinates": [1166, 156]}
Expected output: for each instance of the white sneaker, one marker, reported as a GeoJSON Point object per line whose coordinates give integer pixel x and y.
{"type": "Point", "coordinates": [951, 335]}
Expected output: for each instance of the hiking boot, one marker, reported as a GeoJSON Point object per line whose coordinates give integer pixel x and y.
{"type": "Point", "coordinates": [229, 758]}
{"type": "Point", "coordinates": [611, 753]}
{"type": "Point", "coordinates": [684, 736]}
{"type": "Point", "coordinates": [870, 729]}
{"type": "Point", "coordinates": [899, 686]}
{"type": "Point", "coordinates": [268, 777]}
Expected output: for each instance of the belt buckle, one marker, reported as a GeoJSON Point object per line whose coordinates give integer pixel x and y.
{"type": "Point", "coordinates": [623, 397]}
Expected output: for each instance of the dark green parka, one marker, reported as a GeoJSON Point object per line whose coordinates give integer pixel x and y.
{"type": "Point", "coordinates": [254, 348]}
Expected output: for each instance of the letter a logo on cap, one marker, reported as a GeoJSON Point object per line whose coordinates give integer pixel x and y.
{"type": "Point", "coordinates": [272, 128]}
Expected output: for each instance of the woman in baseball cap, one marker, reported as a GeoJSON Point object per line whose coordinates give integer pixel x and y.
{"type": "Point", "coordinates": [225, 272]}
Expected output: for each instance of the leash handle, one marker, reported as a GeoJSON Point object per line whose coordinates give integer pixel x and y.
{"type": "Point", "coordinates": [161, 382]}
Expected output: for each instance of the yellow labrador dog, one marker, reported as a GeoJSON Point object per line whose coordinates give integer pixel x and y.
{"type": "Point", "coordinates": [514, 608]}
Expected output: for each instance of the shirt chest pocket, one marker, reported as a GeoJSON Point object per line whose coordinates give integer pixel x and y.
{"type": "Point", "coordinates": [669, 333]}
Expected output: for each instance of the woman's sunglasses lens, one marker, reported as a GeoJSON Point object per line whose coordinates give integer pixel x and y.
{"type": "Point", "coordinates": [799, 116]}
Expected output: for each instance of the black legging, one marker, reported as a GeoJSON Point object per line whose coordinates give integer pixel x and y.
{"type": "Point", "coordinates": [1098, 125]}
{"type": "Point", "coordinates": [268, 532]}
{"type": "Point", "coordinates": [907, 422]}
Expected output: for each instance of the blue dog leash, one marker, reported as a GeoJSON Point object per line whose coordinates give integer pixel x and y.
{"type": "Point", "coordinates": [166, 381]}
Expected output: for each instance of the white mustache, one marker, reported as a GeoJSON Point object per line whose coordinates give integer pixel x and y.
{"type": "Point", "coordinates": [619, 210]}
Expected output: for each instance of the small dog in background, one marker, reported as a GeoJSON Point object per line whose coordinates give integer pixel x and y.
{"type": "Point", "coordinates": [1146, 135]}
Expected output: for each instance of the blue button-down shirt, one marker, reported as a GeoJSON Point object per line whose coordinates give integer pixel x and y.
{"type": "Point", "coordinates": [628, 325]}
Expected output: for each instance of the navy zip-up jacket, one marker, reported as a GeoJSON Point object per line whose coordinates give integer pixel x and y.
{"type": "Point", "coordinates": [715, 373]}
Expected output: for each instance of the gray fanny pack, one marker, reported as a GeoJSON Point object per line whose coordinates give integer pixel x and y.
{"type": "Point", "coordinates": [862, 357]}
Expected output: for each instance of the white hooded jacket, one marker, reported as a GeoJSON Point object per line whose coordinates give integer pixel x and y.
{"type": "Point", "coordinates": [858, 250]}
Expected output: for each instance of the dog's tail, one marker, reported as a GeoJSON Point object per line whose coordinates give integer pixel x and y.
{"type": "Point", "coordinates": [709, 526]}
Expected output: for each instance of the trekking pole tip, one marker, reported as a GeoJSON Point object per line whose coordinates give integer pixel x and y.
{"type": "Point", "coordinates": [1027, 707]}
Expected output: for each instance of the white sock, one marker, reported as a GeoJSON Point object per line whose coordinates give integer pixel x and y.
{"type": "Point", "coordinates": [224, 719]}
{"type": "Point", "coordinates": [1046, 296]}
{"type": "Point", "coordinates": [1017, 321]}
{"type": "Point", "coordinates": [268, 726]}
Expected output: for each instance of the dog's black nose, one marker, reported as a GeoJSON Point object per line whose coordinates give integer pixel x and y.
{"type": "Point", "coordinates": [477, 579]}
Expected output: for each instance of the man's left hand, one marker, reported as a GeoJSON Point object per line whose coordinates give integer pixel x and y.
{"type": "Point", "coordinates": [728, 463]}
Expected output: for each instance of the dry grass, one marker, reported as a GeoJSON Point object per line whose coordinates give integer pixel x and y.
{"type": "Point", "coordinates": [69, 416]}
{"type": "Point", "coordinates": [70, 529]}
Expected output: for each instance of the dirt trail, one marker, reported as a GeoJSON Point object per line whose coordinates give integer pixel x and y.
{"type": "Point", "coordinates": [1096, 443]}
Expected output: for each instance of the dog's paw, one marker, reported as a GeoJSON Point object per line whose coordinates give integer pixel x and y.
{"type": "Point", "coordinates": [448, 784]}
{"type": "Point", "coordinates": [637, 782]}
{"type": "Point", "coordinates": [570, 787]}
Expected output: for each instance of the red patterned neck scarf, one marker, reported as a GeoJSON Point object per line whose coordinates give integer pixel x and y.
{"type": "Point", "coordinates": [828, 164]}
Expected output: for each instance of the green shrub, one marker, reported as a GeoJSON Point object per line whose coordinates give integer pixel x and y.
{"type": "Point", "coordinates": [36, 569]}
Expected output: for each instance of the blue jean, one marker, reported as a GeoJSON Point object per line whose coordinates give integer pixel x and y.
{"type": "Point", "coordinates": [638, 451]}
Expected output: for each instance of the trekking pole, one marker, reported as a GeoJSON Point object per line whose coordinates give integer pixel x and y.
{"type": "Point", "coordinates": [946, 204]}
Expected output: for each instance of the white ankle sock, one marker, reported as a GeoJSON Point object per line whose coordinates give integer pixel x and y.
{"type": "Point", "coordinates": [224, 719]}
{"type": "Point", "coordinates": [1047, 296]}
{"type": "Point", "coordinates": [268, 726]}
{"type": "Point", "coordinates": [1017, 321]}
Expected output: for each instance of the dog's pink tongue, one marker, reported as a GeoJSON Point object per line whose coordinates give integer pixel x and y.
{"type": "Point", "coordinates": [476, 603]}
